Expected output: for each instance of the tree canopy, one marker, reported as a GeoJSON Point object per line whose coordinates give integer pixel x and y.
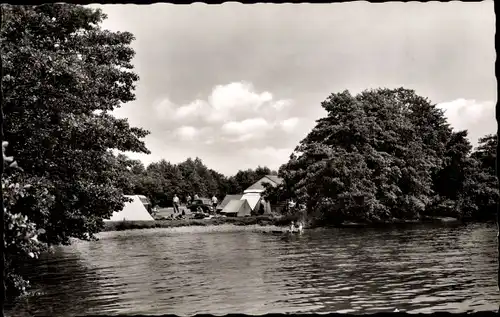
{"type": "Point", "coordinates": [388, 153]}
{"type": "Point", "coordinates": [62, 76]}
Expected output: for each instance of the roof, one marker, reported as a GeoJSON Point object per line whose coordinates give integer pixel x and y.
{"type": "Point", "coordinates": [272, 179]}
{"type": "Point", "coordinates": [227, 199]}
{"type": "Point", "coordinates": [278, 180]}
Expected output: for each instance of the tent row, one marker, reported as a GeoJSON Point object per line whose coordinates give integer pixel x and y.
{"type": "Point", "coordinates": [246, 204]}
{"type": "Point", "coordinates": [251, 201]}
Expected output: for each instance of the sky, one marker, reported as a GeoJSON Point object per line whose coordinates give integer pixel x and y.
{"type": "Point", "coordinates": [240, 85]}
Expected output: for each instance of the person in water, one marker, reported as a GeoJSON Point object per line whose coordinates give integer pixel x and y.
{"type": "Point", "coordinates": [300, 227]}
{"type": "Point", "coordinates": [296, 227]}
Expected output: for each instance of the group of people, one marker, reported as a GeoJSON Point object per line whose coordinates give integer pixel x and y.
{"type": "Point", "coordinates": [176, 202]}
{"type": "Point", "coordinates": [189, 200]}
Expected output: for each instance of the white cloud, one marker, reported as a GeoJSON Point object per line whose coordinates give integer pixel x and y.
{"type": "Point", "coordinates": [289, 124]}
{"type": "Point", "coordinates": [245, 126]}
{"type": "Point", "coordinates": [476, 117]}
{"type": "Point", "coordinates": [186, 132]}
{"type": "Point", "coordinates": [281, 104]}
{"type": "Point", "coordinates": [238, 94]}
{"type": "Point", "coordinates": [240, 131]}
{"type": "Point", "coordinates": [237, 100]}
{"type": "Point", "coordinates": [195, 108]}
{"type": "Point", "coordinates": [164, 109]}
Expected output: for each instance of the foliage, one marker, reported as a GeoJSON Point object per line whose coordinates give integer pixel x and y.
{"type": "Point", "coordinates": [481, 184]}
{"type": "Point", "coordinates": [63, 75]}
{"type": "Point", "coordinates": [384, 154]}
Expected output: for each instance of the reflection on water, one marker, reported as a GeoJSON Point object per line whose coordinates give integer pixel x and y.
{"type": "Point", "coordinates": [188, 271]}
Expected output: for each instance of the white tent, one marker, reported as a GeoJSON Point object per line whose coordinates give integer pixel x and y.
{"type": "Point", "coordinates": [252, 198]}
{"type": "Point", "coordinates": [132, 211]}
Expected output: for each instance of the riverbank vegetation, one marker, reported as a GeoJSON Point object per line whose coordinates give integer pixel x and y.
{"type": "Point", "coordinates": [379, 155]}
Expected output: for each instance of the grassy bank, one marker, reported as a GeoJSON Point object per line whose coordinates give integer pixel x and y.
{"type": "Point", "coordinates": [238, 221]}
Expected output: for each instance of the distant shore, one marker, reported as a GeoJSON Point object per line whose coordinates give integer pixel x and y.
{"type": "Point", "coordinates": [263, 221]}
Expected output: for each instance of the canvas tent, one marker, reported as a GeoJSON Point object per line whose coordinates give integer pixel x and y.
{"type": "Point", "coordinates": [238, 208]}
{"type": "Point", "coordinates": [132, 211]}
{"type": "Point", "coordinates": [266, 206]}
{"type": "Point", "coordinates": [253, 193]}
{"type": "Point", "coordinates": [226, 200]}
{"type": "Point", "coordinates": [252, 198]}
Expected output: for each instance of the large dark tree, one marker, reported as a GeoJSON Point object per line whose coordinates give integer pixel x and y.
{"type": "Point", "coordinates": [372, 157]}
{"type": "Point", "coordinates": [486, 154]}
{"type": "Point", "coordinates": [481, 193]}
{"type": "Point", "coordinates": [63, 75]}
{"type": "Point", "coordinates": [389, 153]}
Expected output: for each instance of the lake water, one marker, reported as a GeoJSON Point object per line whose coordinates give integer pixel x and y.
{"type": "Point", "coordinates": [228, 269]}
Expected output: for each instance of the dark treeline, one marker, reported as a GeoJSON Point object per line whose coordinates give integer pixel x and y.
{"type": "Point", "coordinates": [389, 153]}
{"type": "Point", "coordinates": [159, 181]}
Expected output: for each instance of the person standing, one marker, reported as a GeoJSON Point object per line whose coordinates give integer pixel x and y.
{"type": "Point", "coordinates": [176, 204]}
{"type": "Point", "coordinates": [188, 200]}
{"type": "Point", "coordinates": [196, 197]}
{"type": "Point", "coordinates": [214, 203]}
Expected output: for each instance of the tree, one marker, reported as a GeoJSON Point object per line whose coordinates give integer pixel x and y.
{"type": "Point", "coordinates": [371, 158]}
{"type": "Point", "coordinates": [480, 194]}
{"type": "Point", "coordinates": [245, 179]}
{"type": "Point", "coordinates": [449, 180]}
{"type": "Point", "coordinates": [63, 75]}
{"type": "Point", "coordinates": [486, 152]}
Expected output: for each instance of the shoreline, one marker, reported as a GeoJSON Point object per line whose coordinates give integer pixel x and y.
{"type": "Point", "coordinates": [175, 223]}
{"type": "Point", "coordinates": [269, 221]}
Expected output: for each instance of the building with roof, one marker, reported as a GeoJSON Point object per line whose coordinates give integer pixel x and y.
{"type": "Point", "coordinates": [253, 196]}
{"type": "Point", "coordinates": [258, 187]}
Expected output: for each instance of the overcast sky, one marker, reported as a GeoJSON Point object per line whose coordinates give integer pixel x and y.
{"type": "Point", "coordinates": [240, 85]}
